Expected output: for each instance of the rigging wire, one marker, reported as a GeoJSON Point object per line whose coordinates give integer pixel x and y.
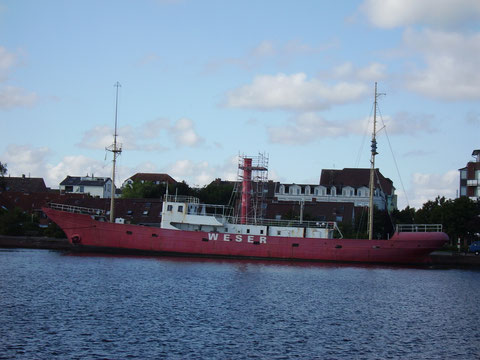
{"type": "Point", "coordinates": [394, 159]}
{"type": "Point", "coordinates": [364, 139]}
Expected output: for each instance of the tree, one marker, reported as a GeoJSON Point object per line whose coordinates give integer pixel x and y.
{"type": "Point", "coordinates": [3, 172]}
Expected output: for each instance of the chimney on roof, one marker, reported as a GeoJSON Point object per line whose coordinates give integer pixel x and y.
{"type": "Point", "coordinates": [476, 155]}
{"type": "Point", "coordinates": [23, 176]}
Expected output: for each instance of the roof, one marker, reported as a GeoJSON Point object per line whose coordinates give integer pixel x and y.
{"type": "Point", "coordinates": [24, 184]}
{"type": "Point", "coordinates": [85, 181]}
{"type": "Point", "coordinates": [353, 177]}
{"type": "Point", "coordinates": [153, 177]}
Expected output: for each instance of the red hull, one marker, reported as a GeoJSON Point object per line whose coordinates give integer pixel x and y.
{"type": "Point", "coordinates": [402, 248]}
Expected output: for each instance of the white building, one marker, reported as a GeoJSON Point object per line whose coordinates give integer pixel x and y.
{"type": "Point", "coordinates": [95, 186]}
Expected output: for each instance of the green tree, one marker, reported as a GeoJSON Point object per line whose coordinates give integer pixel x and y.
{"type": "Point", "coordinates": [218, 193]}
{"type": "Point", "coordinates": [3, 172]}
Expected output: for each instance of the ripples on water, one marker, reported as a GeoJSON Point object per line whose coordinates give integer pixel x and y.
{"type": "Point", "coordinates": [55, 305]}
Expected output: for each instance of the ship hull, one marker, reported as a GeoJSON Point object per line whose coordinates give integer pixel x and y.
{"type": "Point", "coordinates": [86, 233]}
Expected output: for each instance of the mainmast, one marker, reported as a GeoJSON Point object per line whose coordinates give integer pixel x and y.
{"type": "Point", "coordinates": [116, 149]}
{"type": "Point", "coordinates": [372, 168]}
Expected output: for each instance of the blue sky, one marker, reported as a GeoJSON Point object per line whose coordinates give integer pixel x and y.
{"type": "Point", "coordinates": [203, 81]}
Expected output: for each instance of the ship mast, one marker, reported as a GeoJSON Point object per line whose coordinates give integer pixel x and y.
{"type": "Point", "coordinates": [372, 168]}
{"type": "Point", "coordinates": [116, 149]}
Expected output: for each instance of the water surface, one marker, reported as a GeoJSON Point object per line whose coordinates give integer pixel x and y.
{"type": "Point", "coordinates": [57, 305]}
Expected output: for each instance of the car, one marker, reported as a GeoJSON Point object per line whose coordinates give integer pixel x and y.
{"type": "Point", "coordinates": [474, 247]}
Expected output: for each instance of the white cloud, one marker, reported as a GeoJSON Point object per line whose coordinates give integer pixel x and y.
{"type": "Point", "coordinates": [293, 92]}
{"type": "Point", "coordinates": [7, 61]}
{"type": "Point", "coordinates": [441, 13]}
{"type": "Point", "coordinates": [403, 123]}
{"type": "Point", "coordinates": [268, 50]}
{"type": "Point", "coordinates": [75, 165]}
{"type": "Point", "coordinates": [202, 173]}
{"type": "Point", "coordinates": [427, 187]}
{"type": "Point", "coordinates": [309, 127]}
{"type": "Point", "coordinates": [451, 64]}
{"type": "Point", "coordinates": [148, 136]}
{"type": "Point", "coordinates": [372, 72]}
{"type": "Point", "coordinates": [25, 159]}
{"type": "Point", "coordinates": [184, 133]}
{"type": "Point", "coordinates": [304, 129]}
{"type": "Point", "coordinates": [11, 96]}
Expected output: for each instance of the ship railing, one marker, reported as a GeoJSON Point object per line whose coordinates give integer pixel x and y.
{"type": "Point", "coordinates": [76, 209]}
{"type": "Point", "coordinates": [281, 223]}
{"type": "Point", "coordinates": [182, 199]}
{"type": "Point", "coordinates": [419, 228]}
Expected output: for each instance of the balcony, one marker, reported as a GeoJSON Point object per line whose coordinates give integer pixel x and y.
{"type": "Point", "coordinates": [472, 182]}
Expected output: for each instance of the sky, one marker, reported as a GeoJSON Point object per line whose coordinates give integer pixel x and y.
{"type": "Point", "coordinates": [205, 81]}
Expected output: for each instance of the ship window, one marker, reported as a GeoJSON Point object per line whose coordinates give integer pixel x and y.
{"type": "Point", "coordinates": [278, 232]}
{"type": "Point", "coordinates": [169, 207]}
{"type": "Point", "coordinates": [180, 208]}
{"type": "Point", "coordinates": [248, 231]}
{"type": "Point", "coordinates": [261, 231]}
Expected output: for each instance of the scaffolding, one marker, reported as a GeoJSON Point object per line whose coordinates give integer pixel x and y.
{"type": "Point", "coordinates": [251, 187]}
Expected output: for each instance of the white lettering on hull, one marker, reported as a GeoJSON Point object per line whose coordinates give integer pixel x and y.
{"type": "Point", "coordinates": [238, 238]}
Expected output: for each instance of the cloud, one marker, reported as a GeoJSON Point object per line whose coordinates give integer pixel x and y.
{"type": "Point", "coordinates": [404, 123]}
{"type": "Point", "coordinates": [473, 118]}
{"type": "Point", "coordinates": [293, 92]}
{"type": "Point", "coordinates": [184, 133]}
{"type": "Point", "coordinates": [148, 136]}
{"type": "Point", "coordinates": [202, 173]}
{"type": "Point", "coordinates": [427, 187]}
{"type": "Point", "coordinates": [11, 97]}
{"type": "Point", "coordinates": [304, 129]}
{"type": "Point", "coordinates": [372, 72]}
{"type": "Point", "coordinates": [309, 127]}
{"type": "Point", "coordinates": [25, 159]}
{"type": "Point", "coordinates": [75, 165]}
{"type": "Point", "coordinates": [451, 64]}
{"type": "Point", "coordinates": [268, 50]}
{"type": "Point", "coordinates": [389, 14]}
{"type": "Point", "coordinates": [7, 61]}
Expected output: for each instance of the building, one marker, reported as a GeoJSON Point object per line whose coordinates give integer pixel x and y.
{"type": "Point", "coordinates": [342, 186]}
{"type": "Point", "coordinates": [23, 184]}
{"type": "Point", "coordinates": [470, 178]}
{"type": "Point", "coordinates": [95, 186]}
{"type": "Point", "coordinates": [150, 177]}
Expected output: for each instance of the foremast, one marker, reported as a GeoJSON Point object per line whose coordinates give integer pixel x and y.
{"type": "Point", "coordinates": [116, 149]}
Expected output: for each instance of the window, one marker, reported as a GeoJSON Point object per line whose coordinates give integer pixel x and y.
{"type": "Point", "coordinates": [81, 188]}
{"type": "Point", "coordinates": [463, 174]}
{"type": "Point", "coordinates": [169, 207]}
{"type": "Point", "coordinates": [129, 212]}
{"type": "Point", "coordinates": [248, 231]}
{"type": "Point", "coordinates": [145, 213]}
{"type": "Point", "coordinates": [180, 208]}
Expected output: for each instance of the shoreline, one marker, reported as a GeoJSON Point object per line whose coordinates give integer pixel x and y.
{"type": "Point", "coordinates": [439, 258]}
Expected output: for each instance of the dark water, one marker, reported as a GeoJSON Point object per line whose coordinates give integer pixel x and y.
{"type": "Point", "coordinates": [55, 305]}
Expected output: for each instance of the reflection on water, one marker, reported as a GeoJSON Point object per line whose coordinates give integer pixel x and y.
{"type": "Point", "coordinates": [62, 305]}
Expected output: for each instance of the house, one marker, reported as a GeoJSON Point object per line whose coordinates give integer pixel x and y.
{"type": "Point", "coordinates": [470, 178]}
{"type": "Point", "coordinates": [23, 184]}
{"type": "Point", "coordinates": [95, 186]}
{"type": "Point", "coordinates": [349, 185]}
{"type": "Point", "coordinates": [150, 177]}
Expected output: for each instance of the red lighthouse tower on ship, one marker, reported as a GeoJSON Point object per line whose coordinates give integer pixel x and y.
{"type": "Point", "coordinates": [253, 175]}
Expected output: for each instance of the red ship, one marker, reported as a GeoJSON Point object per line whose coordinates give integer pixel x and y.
{"type": "Point", "coordinates": [191, 228]}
